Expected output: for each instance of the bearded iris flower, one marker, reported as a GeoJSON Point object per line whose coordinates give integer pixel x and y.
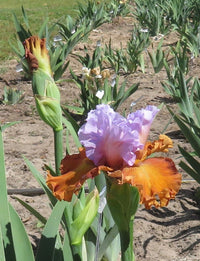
{"type": "Point", "coordinates": [118, 146]}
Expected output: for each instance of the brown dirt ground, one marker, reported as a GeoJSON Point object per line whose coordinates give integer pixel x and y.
{"type": "Point", "coordinates": [170, 233]}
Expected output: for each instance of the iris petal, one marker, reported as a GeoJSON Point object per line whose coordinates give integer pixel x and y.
{"type": "Point", "coordinates": [75, 169]}
{"type": "Point", "coordinates": [109, 139]}
{"type": "Point", "coordinates": [155, 178]}
{"type": "Point", "coordinates": [141, 120]}
{"type": "Point", "coordinates": [160, 145]}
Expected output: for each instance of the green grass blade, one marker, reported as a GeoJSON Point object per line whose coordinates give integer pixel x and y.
{"type": "Point", "coordinates": [71, 120]}
{"type": "Point", "coordinates": [53, 173]}
{"type": "Point", "coordinates": [188, 133]}
{"type": "Point", "coordinates": [8, 125]}
{"type": "Point", "coordinates": [78, 110]}
{"type": "Point", "coordinates": [130, 91]}
{"type": "Point", "coordinates": [48, 240]}
{"type": "Point", "coordinates": [73, 132]}
{"type": "Point", "coordinates": [22, 245]}
{"type": "Point", "coordinates": [121, 91]}
{"type": "Point", "coordinates": [190, 159]}
{"type": "Point", "coordinates": [25, 17]}
{"type": "Point", "coordinates": [193, 163]}
{"type": "Point", "coordinates": [22, 33]}
{"type": "Point", "coordinates": [68, 150]}
{"type": "Point", "coordinates": [32, 210]}
{"type": "Point", "coordinates": [107, 241]}
{"type": "Point", "coordinates": [126, 94]}
{"type": "Point", "coordinates": [2, 255]}
{"type": "Point", "coordinates": [43, 29]}
{"type": "Point", "coordinates": [41, 181]}
{"type": "Point", "coordinates": [89, 242]}
{"type": "Point", "coordinates": [58, 252]}
{"type": "Point", "coordinates": [5, 222]}
{"type": "Point", "coordinates": [190, 171]}
{"type": "Point", "coordinates": [67, 252]}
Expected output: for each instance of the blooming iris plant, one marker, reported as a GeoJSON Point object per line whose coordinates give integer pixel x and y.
{"type": "Point", "coordinates": [119, 147]}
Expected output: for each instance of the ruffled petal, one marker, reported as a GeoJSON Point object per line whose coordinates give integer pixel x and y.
{"type": "Point", "coordinates": [141, 120]}
{"type": "Point", "coordinates": [160, 145]}
{"type": "Point", "coordinates": [157, 179]}
{"type": "Point", "coordinates": [75, 169]}
{"type": "Point", "coordinates": [109, 139]}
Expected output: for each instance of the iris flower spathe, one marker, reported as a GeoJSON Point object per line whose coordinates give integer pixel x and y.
{"type": "Point", "coordinates": [119, 146]}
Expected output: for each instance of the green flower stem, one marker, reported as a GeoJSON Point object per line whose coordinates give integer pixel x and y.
{"type": "Point", "coordinates": [3, 199]}
{"type": "Point", "coordinates": [127, 253]}
{"type": "Point", "coordinates": [58, 149]}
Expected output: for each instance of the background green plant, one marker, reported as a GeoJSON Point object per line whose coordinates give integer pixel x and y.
{"type": "Point", "coordinates": [163, 16]}
{"type": "Point", "coordinates": [114, 93]}
{"type": "Point", "coordinates": [191, 130]}
{"type": "Point", "coordinates": [152, 16]}
{"type": "Point", "coordinates": [12, 96]}
{"type": "Point", "coordinates": [90, 15]}
{"type": "Point", "coordinates": [128, 59]}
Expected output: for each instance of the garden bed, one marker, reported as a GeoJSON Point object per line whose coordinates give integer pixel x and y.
{"type": "Point", "coordinates": [170, 233]}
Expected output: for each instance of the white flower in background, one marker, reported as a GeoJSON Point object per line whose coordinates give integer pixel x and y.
{"type": "Point", "coordinates": [100, 94]}
{"type": "Point", "coordinates": [86, 72]}
{"type": "Point", "coordinates": [73, 31]}
{"type": "Point", "coordinates": [144, 30]}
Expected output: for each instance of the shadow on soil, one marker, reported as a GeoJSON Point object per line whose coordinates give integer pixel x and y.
{"type": "Point", "coordinates": [189, 212]}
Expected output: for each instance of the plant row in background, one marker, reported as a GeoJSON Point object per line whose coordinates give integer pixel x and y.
{"type": "Point", "coordinates": [70, 233]}
{"type": "Point", "coordinates": [91, 15]}
{"type": "Point", "coordinates": [163, 17]}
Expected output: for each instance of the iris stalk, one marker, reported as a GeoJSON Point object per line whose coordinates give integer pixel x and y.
{"type": "Point", "coordinates": [58, 149]}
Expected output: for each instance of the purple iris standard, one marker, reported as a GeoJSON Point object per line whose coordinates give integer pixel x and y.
{"type": "Point", "coordinates": [112, 140]}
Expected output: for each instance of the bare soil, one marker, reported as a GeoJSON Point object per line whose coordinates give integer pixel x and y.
{"type": "Point", "coordinates": [170, 233]}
